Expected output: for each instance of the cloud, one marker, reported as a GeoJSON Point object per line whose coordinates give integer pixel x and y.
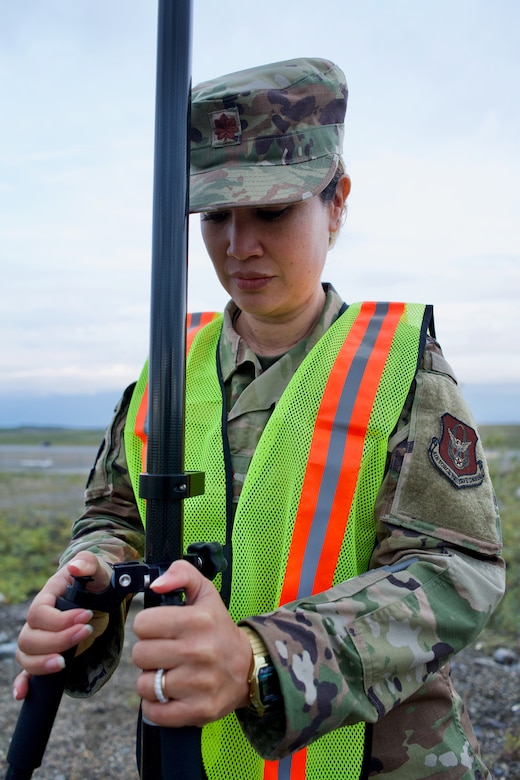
{"type": "Point", "coordinates": [432, 145]}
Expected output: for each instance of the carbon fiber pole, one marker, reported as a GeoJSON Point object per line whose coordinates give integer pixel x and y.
{"type": "Point", "coordinates": [172, 754]}
{"type": "Point", "coordinates": [34, 726]}
{"type": "Point", "coordinates": [167, 352]}
{"type": "Point", "coordinates": [169, 753]}
{"type": "Point", "coordinates": [36, 718]}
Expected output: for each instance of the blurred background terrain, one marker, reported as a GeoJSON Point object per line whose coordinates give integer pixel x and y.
{"type": "Point", "coordinates": [42, 477]}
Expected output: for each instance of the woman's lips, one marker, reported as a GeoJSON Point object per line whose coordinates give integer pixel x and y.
{"type": "Point", "coordinates": [251, 282]}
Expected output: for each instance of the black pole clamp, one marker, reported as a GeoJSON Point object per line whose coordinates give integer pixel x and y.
{"type": "Point", "coordinates": [169, 487]}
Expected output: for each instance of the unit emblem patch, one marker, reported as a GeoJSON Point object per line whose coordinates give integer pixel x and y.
{"type": "Point", "coordinates": [454, 453]}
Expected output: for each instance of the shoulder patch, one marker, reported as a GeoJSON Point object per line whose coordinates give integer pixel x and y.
{"type": "Point", "coordinates": [454, 453]}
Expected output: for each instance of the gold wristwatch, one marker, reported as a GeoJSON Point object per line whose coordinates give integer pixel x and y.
{"type": "Point", "coordinates": [264, 686]}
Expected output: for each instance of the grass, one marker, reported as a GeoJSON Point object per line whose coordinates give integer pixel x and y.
{"type": "Point", "coordinates": [504, 466]}
{"type": "Point", "coordinates": [501, 437]}
{"type": "Point", "coordinates": [36, 511]}
{"type": "Point", "coordinates": [52, 436]}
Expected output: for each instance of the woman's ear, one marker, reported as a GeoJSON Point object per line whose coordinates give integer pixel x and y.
{"type": "Point", "coordinates": [339, 203]}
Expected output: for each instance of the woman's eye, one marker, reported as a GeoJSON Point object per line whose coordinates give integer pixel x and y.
{"type": "Point", "coordinates": [271, 215]}
{"type": "Point", "coordinates": [215, 217]}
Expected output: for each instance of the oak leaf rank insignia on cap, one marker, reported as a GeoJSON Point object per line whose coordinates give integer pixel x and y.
{"type": "Point", "coordinates": [225, 127]}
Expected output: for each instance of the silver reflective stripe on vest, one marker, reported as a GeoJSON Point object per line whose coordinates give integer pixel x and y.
{"type": "Point", "coordinates": [284, 768]}
{"type": "Point", "coordinates": [331, 474]}
{"type": "Point", "coordinates": [196, 318]}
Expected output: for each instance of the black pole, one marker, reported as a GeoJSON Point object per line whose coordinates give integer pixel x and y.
{"type": "Point", "coordinates": [34, 725]}
{"type": "Point", "coordinates": [167, 352]}
{"type": "Point", "coordinates": [37, 715]}
{"type": "Point", "coordinates": [169, 753]}
{"type": "Point", "coordinates": [173, 754]}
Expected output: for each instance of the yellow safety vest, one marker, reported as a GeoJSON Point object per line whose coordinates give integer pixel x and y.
{"type": "Point", "coordinates": [305, 516]}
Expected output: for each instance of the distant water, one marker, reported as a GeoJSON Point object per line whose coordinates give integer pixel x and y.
{"type": "Point", "coordinates": [490, 403]}
{"type": "Point", "coordinates": [64, 411]}
{"type": "Point", "coordinates": [51, 459]}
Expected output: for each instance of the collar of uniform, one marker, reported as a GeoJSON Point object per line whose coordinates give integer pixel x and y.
{"type": "Point", "coordinates": [234, 350]}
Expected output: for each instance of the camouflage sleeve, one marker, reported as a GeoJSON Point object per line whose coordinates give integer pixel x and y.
{"type": "Point", "coordinates": [111, 527]}
{"type": "Point", "coordinates": [358, 650]}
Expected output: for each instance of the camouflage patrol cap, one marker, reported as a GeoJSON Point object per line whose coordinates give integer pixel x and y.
{"type": "Point", "coordinates": [266, 135]}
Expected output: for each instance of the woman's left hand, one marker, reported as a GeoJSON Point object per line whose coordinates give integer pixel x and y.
{"type": "Point", "coordinates": [205, 655]}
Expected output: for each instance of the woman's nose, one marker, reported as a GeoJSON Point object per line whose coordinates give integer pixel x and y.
{"type": "Point", "coordinates": [243, 239]}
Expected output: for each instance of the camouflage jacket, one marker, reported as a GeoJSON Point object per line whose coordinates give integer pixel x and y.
{"type": "Point", "coordinates": [376, 648]}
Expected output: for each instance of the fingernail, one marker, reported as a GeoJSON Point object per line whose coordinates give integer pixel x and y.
{"type": "Point", "coordinates": [16, 695]}
{"type": "Point", "coordinates": [159, 581]}
{"type": "Point", "coordinates": [78, 562]}
{"type": "Point", "coordinates": [82, 633]}
{"type": "Point", "coordinates": [87, 615]}
{"type": "Point", "coordinates": [55, 664]}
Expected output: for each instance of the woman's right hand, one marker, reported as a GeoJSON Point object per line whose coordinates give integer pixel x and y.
{"type": "Point", "coordinates": [49, 632]}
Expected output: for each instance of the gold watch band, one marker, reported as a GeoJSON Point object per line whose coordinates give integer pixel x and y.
{"type": "Point", "coordinates": [255, 640]}
{"type": "Point", "coordinates": [259, 660]}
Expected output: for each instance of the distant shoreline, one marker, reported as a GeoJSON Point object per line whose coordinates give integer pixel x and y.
{"type": "Point", "coordinates": [503, 435]}
{"type": "Point", "coordinates": [49, 436]}
{"type": "Point", "coordinates": [491, 404]}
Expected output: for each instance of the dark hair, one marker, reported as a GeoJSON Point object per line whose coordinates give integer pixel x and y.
{"type": "Point", "coordinates": [328, 193]}
{"type": "Point", "coordinates": [327, 196]}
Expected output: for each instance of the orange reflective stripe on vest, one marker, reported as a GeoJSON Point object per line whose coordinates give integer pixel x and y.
{"type": "Point", "coordinates": [194, 322]}
{"type": "Point", "coordinates": [140, 426]}
{"type": "Point", "coordinates": [337, 450]}
{"type": "Point", "coordinates": [333, 469]}
{"type": "Point", "coordinates": [291, 768]}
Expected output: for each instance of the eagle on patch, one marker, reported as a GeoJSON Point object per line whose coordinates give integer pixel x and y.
{"type": "Point", "coordinates": [454, 453]}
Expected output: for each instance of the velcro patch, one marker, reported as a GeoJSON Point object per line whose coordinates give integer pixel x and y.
{"type": "Point", "coordinates": [225, 127]}
{"type": "Point", "coordinates": [454, 453]}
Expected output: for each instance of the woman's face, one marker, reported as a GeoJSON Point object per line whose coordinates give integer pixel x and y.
{"type": "Point", "coordinates": [270, 259]}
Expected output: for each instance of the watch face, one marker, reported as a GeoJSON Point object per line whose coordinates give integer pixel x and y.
{"type": "Point", "coordinates": [268, 685]}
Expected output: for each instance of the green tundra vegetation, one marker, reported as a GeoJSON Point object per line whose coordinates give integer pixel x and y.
{"type": "Point", "coordinates": [37, 508]}
{"type": "Point", "coordinates": [58, 437]}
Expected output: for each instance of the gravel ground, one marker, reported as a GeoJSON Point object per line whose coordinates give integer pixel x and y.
{"type": "Point", "coordinates": [95, 739]}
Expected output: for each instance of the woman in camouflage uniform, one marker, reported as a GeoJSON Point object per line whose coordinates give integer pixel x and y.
{"type": "Point", "coordinates": [353, 627]}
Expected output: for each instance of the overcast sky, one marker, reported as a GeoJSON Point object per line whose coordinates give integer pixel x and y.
{"type": "Point", "coordinates": [432, 147]}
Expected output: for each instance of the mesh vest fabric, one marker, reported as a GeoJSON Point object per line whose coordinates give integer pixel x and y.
{"type": "Point", "coordinates": [266, 518]}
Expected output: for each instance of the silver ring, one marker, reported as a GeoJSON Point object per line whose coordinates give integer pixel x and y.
{"type": "Point", "coordinates": [159, 686]}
